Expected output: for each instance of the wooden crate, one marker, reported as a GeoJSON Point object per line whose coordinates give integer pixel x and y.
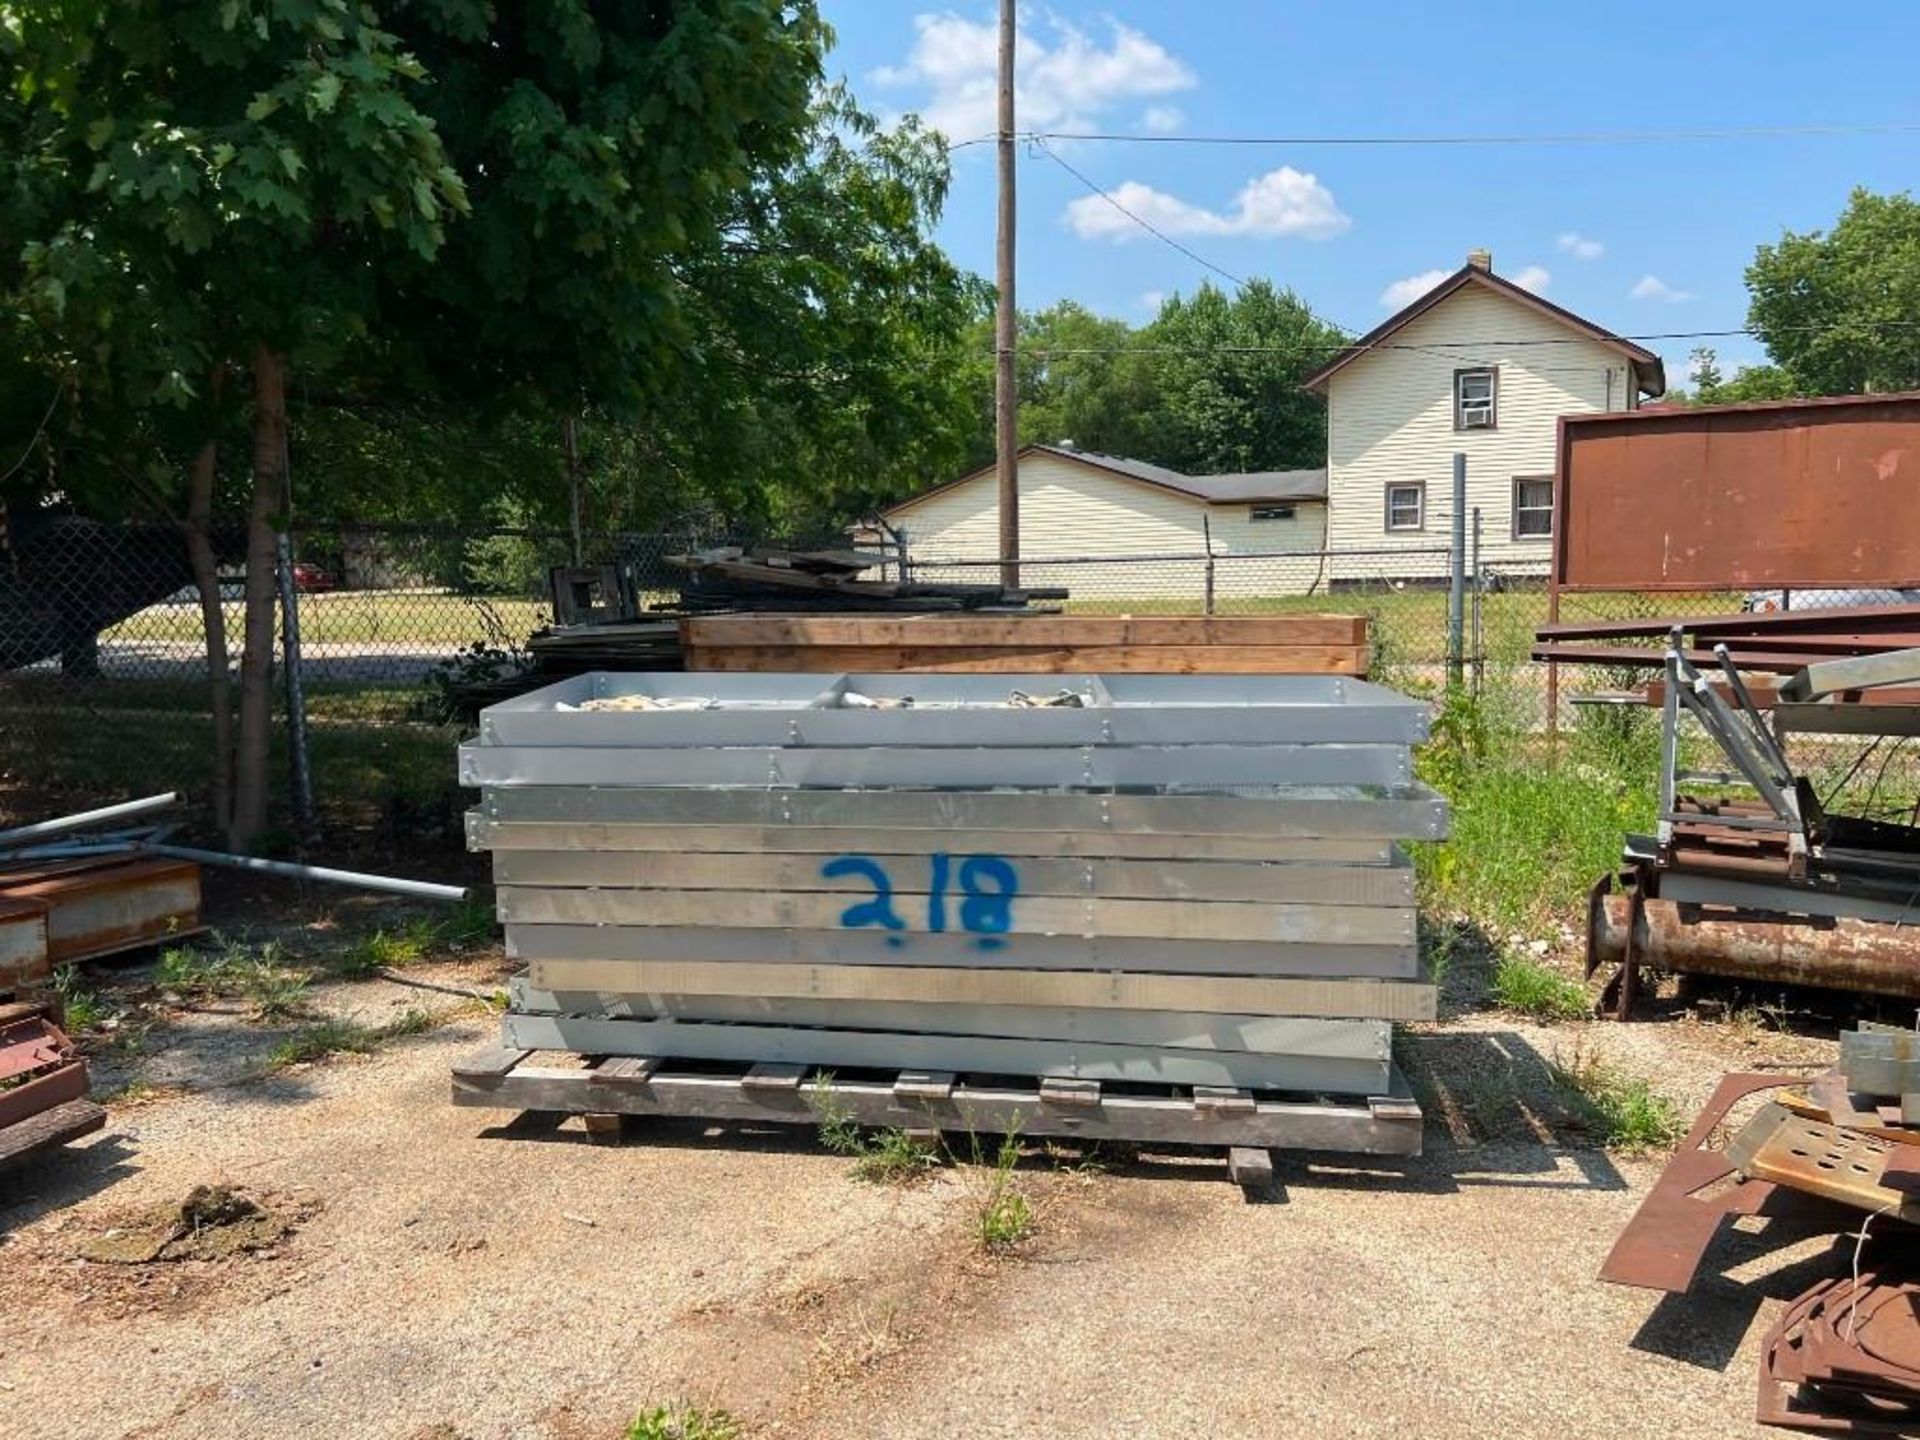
{"type": "Point", "coordinates": [1031, 644]}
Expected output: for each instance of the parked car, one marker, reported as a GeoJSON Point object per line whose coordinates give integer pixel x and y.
{"type": "Point", "coordinates": [310, 579]}
{"type": "Point", "coordinates": [1768, 602]}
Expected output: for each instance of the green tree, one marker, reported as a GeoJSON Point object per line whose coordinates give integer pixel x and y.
{"type": "Point", "coordinates": [1749, 383]}
{"type": "Point", "coordinates": [1839, 310]}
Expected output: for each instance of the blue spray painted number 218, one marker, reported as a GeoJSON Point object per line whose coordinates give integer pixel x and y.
{"type": "Point", "coordinates": [988, 885]}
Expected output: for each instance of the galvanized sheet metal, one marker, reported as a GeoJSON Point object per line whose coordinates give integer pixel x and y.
{"type": "Point", "coordinates": [1028, 914]}
{"type": "Point", "coordinates": [942, 985]}
{"type": "Point", "coordinates": [1343, 1039]}
{"type": "Point", "coordinates": [963, 1054]}
{"type": "Point", "coordinates": [911, 875]}
{"type": "Point", "coordinates": [727, 944]}
{"type": "Point", "coordinates": [1339, 812]}
{"type": "Point", "coordinates": [1084, 768]}
{"type": "Point", "coordinates": [575, 836]}
{"type": "Point", "coordinates": [959, 710]}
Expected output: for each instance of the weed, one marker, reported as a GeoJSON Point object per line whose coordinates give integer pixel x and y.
{"type": "Point", "coordinates": [276, 994]}
{"type": "Point", "coordinates": [384, 950]}
{"type": "Point", "coordinates": [409, 1022]}
{"type": "Point", "coordinates": [1527, 987]}
{"type": "Point", "coordinates": [322, 1039]}
{"type": "Point", "coordinates": [684, 1422]}
{"type": "Point", "coordinates": [893, 1157]}
{"type": "Point", "coordinates": [1625, 1110]}
{"type": "Point", "coordinates": [81, 1008]}
{"type": "Point", "coordinates": [1005, 1217]}
{"type": "Point", "coordinates": [886, 1157]}
{"type": "Point", "coordinates": [471, 923]}
{"type": "Point", "coordinates": [262, 976]}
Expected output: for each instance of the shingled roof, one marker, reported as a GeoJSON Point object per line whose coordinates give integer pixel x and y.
{"type": "Point", "coordinates": [1246, 487]}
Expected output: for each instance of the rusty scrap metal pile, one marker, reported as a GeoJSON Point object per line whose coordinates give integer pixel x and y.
{"type": "Point", "coordinates": [1841, 1157]}
{"type": "Point", "coordinates": [1767, 885]}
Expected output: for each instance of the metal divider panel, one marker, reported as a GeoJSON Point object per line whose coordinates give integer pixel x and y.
{"type": "Point", "coordinates": [555, 836]}
{"type": "Point", "coordinates": [963, 1054]}
{"type": "Point", "coordinates": [1199, 881]}
{"type": "Point", "coordinates": [1338, 812]}
{"type": "Point", "coordinates": [729, 944]}
{"type": "Point", "coordinates": [931, 987]}
{"type": "Point", "coordinates": [1083, 767]}
{"type": "Point", "coordinates": [999, 926]}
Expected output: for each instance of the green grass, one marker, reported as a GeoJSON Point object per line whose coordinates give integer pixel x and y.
{"type": "Point", "coordinates": [1005, 1218]}
{"type": "Point", "coordinates": [1625, 1111]}
{"type": "Point", "coordinates": [882, 1157]}
{"type": "Point", "coordinates": [388, 950]}
{"type": "Point", "coordinates": [356, 617]}
{"type": "Point", "coordinates": [332, 1036]}
{"type": "Point", "coordinates": [232, 968]}
{"type": "Point", "coordinates": [1528, 987]}
{"type": "Point", "coordinates": [684, 1422]}
{"type": "Point", "coordinates": [81, 1009]}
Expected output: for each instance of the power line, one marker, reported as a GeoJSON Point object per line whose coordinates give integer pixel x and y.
{"type": "Point", "coordinates": [1578, 137]}
{"type": "Point", "coordinates": [1158, 234]}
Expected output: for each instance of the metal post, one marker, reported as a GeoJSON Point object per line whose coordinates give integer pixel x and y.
{"type": "Point", "coordinates": [1479, 587]}
{"type": "Point", "coordinates": [302, 774]}
{"type": "Point", "coordinates": [1457, 578]}
{"type": "Point", "coordinates": [1206, 538]}
{"type": "Point", "coordinates": [572, 440]}
{"type": "Point", "coordinates": [1006, 398]}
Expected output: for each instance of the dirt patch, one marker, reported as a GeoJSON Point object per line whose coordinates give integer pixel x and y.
{"type": "Point", "coordinates": [214, 1222]}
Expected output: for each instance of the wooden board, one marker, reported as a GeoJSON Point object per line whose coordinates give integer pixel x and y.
{"type": "Point", "coordinates": [1026, 914]}
{"type": "Point", "coordinates": [1023, 631]}
{"type": "Point", "coordinates": [1374, 1126]}
{"type": "Point", "coordinates": [1059, 660]}
{"type": "Point", "coordinates": [1347, 999]}
{"type": "Point", "coordinates": [1146, 880]}
{"type": "Point", "coordinates": [48, 1128]}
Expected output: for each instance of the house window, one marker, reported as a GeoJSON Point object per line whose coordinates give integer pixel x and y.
{"type": "Point", "coordinates": [1473, 398]}
{"type": "Point", "coordinates": [1270, 512]}
{"type": "Point", "coordinates": [1406, 507]}
{"type": "Point", "coordinates": [1532, 507]}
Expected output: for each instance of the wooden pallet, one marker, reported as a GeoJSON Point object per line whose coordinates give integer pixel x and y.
{"type": "Point", "coordinates": [1247, 1123]}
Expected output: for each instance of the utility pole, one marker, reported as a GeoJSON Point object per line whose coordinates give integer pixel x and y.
{"type": "Point", "coordinates": [1005, 377]}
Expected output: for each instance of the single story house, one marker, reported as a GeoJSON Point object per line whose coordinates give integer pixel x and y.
{"type": "Point", "coordinates": [1074, 503]}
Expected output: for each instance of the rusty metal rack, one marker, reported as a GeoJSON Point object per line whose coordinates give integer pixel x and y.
{"type": "Point", "coordinates": [1162, 908]}
{"type": "Point", "coordinates": [43, 1086]}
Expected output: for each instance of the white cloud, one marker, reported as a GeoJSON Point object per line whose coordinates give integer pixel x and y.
{"type": "Point", "coordinates": [1535, 278]}
{"type": "Point", "coordinates": [1402, 293]}
{"type": "Point", "coordinates": [1162, 119]}
{"type": "Point", "coordinates": [1581, 247]}
{"type": "Point", "coordinates": [1652, 287]}
{"type": "Point", "coordinates": [1152, 300]}
{"type": "Point", "coordinates": [1281, 202]}
{"type": "Point", "coordinates": [1064, 82]}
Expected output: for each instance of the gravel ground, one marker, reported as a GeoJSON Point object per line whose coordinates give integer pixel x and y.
{"type": "Point", "coordinates": [455, 1274]}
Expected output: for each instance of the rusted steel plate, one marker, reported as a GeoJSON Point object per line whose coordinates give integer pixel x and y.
{"type": "Point", "coordinates": [112, 906]}
{"type": "Point", "coordinates": [1819, 1158]}
{"type": "Point", "coordinates": [39, 1067]}
{"type": "Point", "coordinates": [1795, 495]}
{"type": "Point", "coordinates": [1662, 1246]}
{"type": "Point", "coordinates": [23, 943]}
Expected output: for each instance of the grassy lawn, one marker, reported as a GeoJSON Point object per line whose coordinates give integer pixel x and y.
{"type": "Point", "coordinates": [438, 618]}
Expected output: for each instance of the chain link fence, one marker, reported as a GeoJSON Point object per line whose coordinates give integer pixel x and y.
{"type": "Point", "coordinates": [103, 642]}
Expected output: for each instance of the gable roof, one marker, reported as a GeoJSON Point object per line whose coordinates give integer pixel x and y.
{"type": "Point", "coordinates": [1648, 370]}
{"type": "Point", "coordinates": [1235, 488]}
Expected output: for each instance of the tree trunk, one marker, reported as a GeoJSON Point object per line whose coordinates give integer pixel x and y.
{"type": "Point", "coordinates": [213, 618]}
{"type": "Point", "coordinates": [251, 754]}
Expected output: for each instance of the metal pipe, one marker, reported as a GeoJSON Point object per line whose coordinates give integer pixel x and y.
{"type": "Point", "coordinates": [301, 775]}
{"type": "Point", "coordinates": [1839, 954]}
{"type": "Point", "coordinates": [124, 810]}
{"type": "Point", "coordinates": [418, 889]}
{"type": "Point", "coordinates": [1457, 572]}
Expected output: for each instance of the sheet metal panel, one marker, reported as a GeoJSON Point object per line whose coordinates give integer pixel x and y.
{"type": "Point", "coordinates": [1085, 768]}
{"type": "Point", "coordinates": [962, 1054]}
{"type": "Point", "coordinates": [699, 944]}
{"type": "Point", "coordinates": [502, 837]}
{"type": "Point", "coordinates": [1365, 1040]}
{"type": "Point", "coordinates": [913, 874]}
{"type": "Point", "coordinates": [1027, 914]}
{"type": "Point", "coordinates": [940, 985]}
{"type": "Point", "coordinates": [957, 710]}
{"type": "Point", "coordinates": [1339, 812]}
{"type": "Point", "coordinates": [1798, 494]}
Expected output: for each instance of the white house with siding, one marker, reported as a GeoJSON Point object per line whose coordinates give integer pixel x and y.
{"type": "Point", "coordinates": [1478, 366]}
{"type": "Point", "coordinates": [1074, 503]}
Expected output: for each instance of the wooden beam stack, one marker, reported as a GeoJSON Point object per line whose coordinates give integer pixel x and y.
{"type": "Point", "coordinates": [1033, 644]}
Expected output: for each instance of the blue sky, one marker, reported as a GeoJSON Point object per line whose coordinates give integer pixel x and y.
{"type": "Point", "coordinates": [1642, 238]}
